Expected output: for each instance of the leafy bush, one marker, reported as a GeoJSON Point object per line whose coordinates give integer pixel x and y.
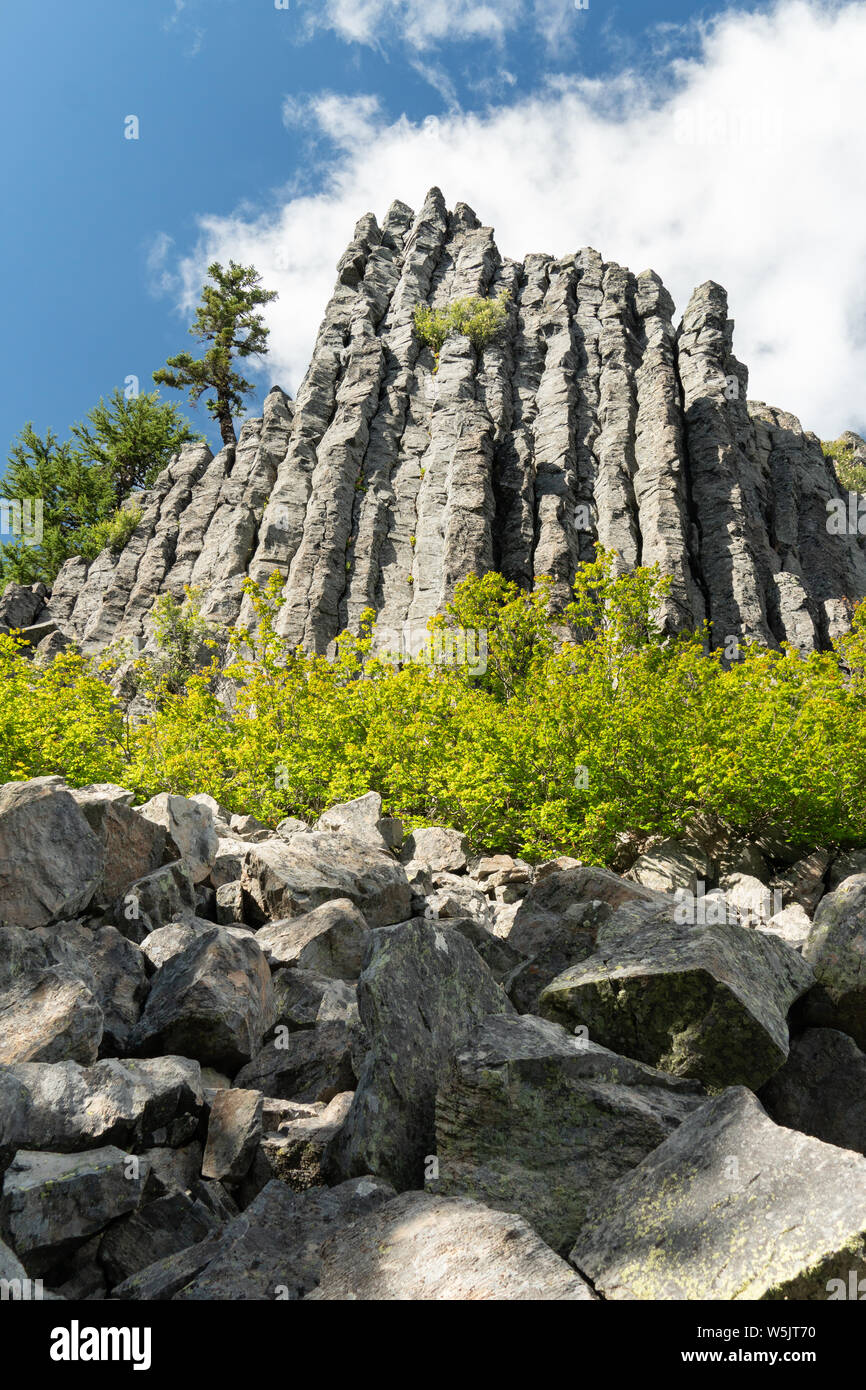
{"type": "Point", "coordinates": [114, 532]}
{"type": "Point", "coordinates": [552, 747]}
{"type": "Point", "coordinates": [851, 474]}
{"type": "Point", "coordinates": [478, 319]}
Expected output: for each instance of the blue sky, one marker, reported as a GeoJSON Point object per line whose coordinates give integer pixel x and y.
{"type": "Point", "coordinates": [257, 127]}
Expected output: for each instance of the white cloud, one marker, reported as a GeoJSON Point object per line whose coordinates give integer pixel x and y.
{"type": "Point", "coordinates": [420, 23]}
{"type": "Point", "coordinates": [744, 165]}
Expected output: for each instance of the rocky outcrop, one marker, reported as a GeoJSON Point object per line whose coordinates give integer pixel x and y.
{"type": "Point", "coordinates": [590, 418]}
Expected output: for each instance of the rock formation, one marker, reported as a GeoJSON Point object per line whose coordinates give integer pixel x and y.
{"type": "Point", "coordinates": [589, 418]}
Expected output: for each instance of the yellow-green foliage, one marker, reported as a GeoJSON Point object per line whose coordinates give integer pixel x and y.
{"type": "Point", "coordinates": [478, 319]}
{"type": "Point", "coordinates": [550, 748]}
{"type": "Point", "coordinates": [851, 474]}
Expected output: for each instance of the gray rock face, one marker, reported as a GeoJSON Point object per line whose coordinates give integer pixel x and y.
{"type": "Point", "coordinates": [731, 1206]}
{"type": "Point", "coordinates": [212, 1001]}
{"type": "Point", "coordinates": [821, 1089]}
{"type": "Point", "coordinates": [51, 862]}
{"type": "Point", "coordinates": [286, 879]}
{"type": "Point", "coordinates": [423, 1247]}
{"type": "Point", "coordinates": [704, 1001]}
{"type": "Point", "coordinates": [422, 989]}
{"type": "Point", "coordinates": [132, 1104]}
{"type": "Point", "coordinates": [836, 948]}
{"type": "Point", "coordinates": [589, 418]}
{"type": "Point", "coordinates": [534, 1121]}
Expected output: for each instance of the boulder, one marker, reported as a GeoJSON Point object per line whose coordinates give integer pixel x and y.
{"type": "Point", "coordinates": [228, 861]}
{"type": "Point", "coordinates": [51, 863]}
{"type": "Point", "coordinates": [359, 818]}
{"type": "Point", "coordinates": [436, 848]}
{"type": "Point", "coordinates": [219, 815]}
{"type": "Point", "coordinates": [420, 1247]}
{"type": "Point", "coordinates": [295, 1153]}
{"type": "Point", "coordinates": [803, 882]}
{"type": "Point", "coordinates": [233, 1135]}
{"type": "Point", "coordinates": [20, 605]}
{"type": "Point", "coordinates": [164, 1227]}
{"type": "Point", "coordinates": [286, 879]}
{"type": "Point", "coordinates": [52, 1202]}
{"type": "Point", "coordinates": [420, 993]}
{"type": "Point", "coordinates": [167, 895]}
{"type": "Point", "coordinates": [821, 1089]}
{"type": "Point", "coordinates": [672, 865]}
{"type": "Point", "coordinates": [303, 998]}
{"type": "Point", "coordinates": [704, 1001]}
{"type": "Point", "coordinates": [314, 1064]}
{"type": "Point", "coordinates": [65, 1107]}
{"type": "Point", "coordinates": [836, 949]}
{"type": "Point", "coordinates": [532, 1120]}
{"type": "Point", "coordinates": [272, 1250]}
{"type": "Point", "coordinates": [111, 967]}
{"type": "Point", "coordinates": [731, 1206]}
{"type": "Point", "coordinates": [46, 1014]}
{"type": "Point", "coordinates": [330, 940]}
{"type": "Point", "coordinates": [791, 925]}
{"type": "Point", "coordinates": [132, 846]}
{"type": "Point", "coordinates": [213, 1001]}
{"type": "Point", "coordinates": [190, 825]}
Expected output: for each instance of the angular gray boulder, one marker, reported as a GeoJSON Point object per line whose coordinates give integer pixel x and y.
{"type": "Point", "coordinates": [47, 1014]}
{"type": "Point", "coordinates": [731, 1206]}
{"type": "Point", "coordinates": [330, 940]}
{"type": "Point", "coordinates": [213, 1001]}
{"type": "Point", "coordinates": [286, 879]}
{"type": "Point", "coordinates": [821, 1089]}
{"type": "Point", "coordinates": [52, 1202]}
{"type": "Point", "coordinates": [836, 949]}
{"type": "Point", "coordinates": [420, 1247]}
{"type": "Point", "coordinates": [422, 989]}
{"type": "Point", "coordinates": [234, 1131]}
{"type": "Point", "coordinates": [131, 1104]}
{"type": "Point", "coordinates": [312, 1064]}
{"type": "Point", "coordinates": [704, 1001]}
{"type": "Point", "coordinates": [190, 825]}
{"type": "Point", "coordinates": [534, 1121]}
{"type": "Point", "coordinates": [51, 863]}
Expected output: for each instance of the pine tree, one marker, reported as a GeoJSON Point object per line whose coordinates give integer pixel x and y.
{"type": "Point", "coordinates": [132, 439]}
{"type": "Point", "coordinates": [81, 486]}
{"type": "Point", "coordinates": [226, 318]}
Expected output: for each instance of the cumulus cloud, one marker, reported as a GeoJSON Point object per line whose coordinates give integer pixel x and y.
{"type": "Point", "coordinates": [743, 164]}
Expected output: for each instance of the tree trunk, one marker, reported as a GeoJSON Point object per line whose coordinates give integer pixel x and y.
{"type": "Point", "coordinates": [227, 428]}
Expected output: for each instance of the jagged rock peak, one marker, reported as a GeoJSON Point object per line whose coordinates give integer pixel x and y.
{"type": "Point", "coordinates": [390, 478]}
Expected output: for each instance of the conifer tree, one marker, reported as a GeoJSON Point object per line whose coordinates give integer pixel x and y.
{"type": "Point", "coordinates": [227, 320]}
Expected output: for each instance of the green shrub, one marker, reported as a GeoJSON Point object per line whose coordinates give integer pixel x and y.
{"type": "Point", "coordinates": [478, 319]}
{"type": "Point", "coordinates": [545, 748]}
{"type": "Point", "coordinates": [851, 474]}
